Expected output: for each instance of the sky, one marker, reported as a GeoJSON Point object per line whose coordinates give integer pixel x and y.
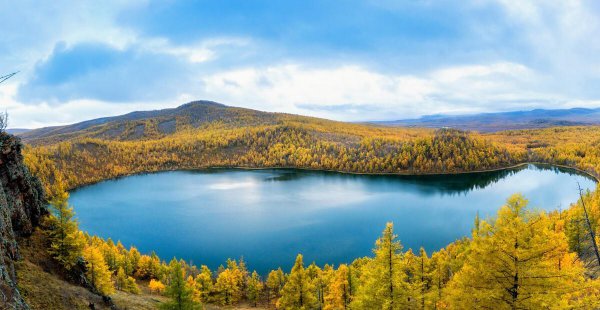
{"type": "Point", "coordinates": [346, 60]}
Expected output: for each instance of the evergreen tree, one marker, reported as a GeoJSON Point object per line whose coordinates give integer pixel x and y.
{"type": "Point", "coordinates": [383, 281]}
{"type": "Point", "coordinates": [298, 291]}
{"type": "Point", "coordinates": [97, 271]}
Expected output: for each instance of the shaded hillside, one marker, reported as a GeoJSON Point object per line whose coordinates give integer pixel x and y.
{"type": "Point", "coordinates": [21, 207]}
{"type": "Point", "coordinates": [490, 122]}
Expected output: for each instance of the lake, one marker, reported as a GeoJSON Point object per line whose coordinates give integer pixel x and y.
{"type": "Point", "coordinates": [268, 216]}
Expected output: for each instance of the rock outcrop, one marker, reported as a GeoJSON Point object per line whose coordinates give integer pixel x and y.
{"type": "Point", "coordinates": [22, 204]}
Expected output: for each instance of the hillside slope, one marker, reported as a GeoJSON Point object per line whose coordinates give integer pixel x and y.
{"type": "Point", "coordinates": [203, 134]}
{"type": "Point", "coordinates": [490, 122]}
{"type": "Point", "coordinates": [141, 125]}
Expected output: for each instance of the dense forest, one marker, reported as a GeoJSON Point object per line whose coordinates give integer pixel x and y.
{"type": "Point", "coordinates": [519, 259]}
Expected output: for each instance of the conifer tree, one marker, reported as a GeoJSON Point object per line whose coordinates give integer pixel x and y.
{"type": "Point", "coordinates": [298, 291]}
{"type": "Point", "coordinates": [422, 278]}
{"type": "Point", "coordinates": [514, 264]}
{"type": "Point", "coordinates": [255, 288]}
{"type": "Point", "coordinates": [204, 283]}
{"type": "Point", "coordinates": [97, 271]}
{"type": "Point", "coordinates": [196, 295]}
{"type": "Point", "coordinates": [178, 289]}
{"type": "Point", "coordinates": [228, 286]}
{"type": "Point", "coordinates": [338, 296]}
{"type": "Point", "coordinates": [275, 282]}
{"type": "Point", "coordinates": [121, 280]}
{"type": "Point", "coordinates": [66, 241]}
{"type": "Point", "coordinates": [156, 286]}
{"type": "Point", "coordinates": [383, 281]}
{"type": "Point", "coordinates": [131, 286]}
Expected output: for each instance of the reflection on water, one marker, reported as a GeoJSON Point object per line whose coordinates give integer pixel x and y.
{"type": "Point", "coordinates": [268, 216]}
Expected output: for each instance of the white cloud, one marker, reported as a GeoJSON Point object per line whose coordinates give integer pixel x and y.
{"type": "Point", "coordinates": [287, 88]}
{"type": "Point", "coordinates": [556, 65]}
{"type": "Point", "coordinates": [198, 52]}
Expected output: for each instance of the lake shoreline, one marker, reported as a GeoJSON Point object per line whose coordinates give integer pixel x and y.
{"type": "Point", "coordinates": [516, 166]}
{"type": "Point", "coordinates": [210, 215]}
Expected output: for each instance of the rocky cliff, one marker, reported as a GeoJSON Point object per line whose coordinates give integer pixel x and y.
{"type": "Point", "coordinates": [21, 207]}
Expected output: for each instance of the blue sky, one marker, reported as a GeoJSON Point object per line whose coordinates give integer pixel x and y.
{"type": "Point", "coordinates": [346, 60]}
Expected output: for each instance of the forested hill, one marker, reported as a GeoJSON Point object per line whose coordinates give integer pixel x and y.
{"type": "Point", "coordinates": [152, 124]}
{"type": "Point", "coordinates": [490, 122]}
{"type": "Point", "coordinates": [207, 134]}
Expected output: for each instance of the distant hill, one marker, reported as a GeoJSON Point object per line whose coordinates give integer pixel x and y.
{"type": "Point", "coordinates": [16, 131]}
{"type": "Point", "coordinates": [152, 124]}
{"type": "Point", "coordinates": [490, 122]}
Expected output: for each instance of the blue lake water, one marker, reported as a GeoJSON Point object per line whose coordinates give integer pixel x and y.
{"type": "Point", "coordinates": [268, 216]}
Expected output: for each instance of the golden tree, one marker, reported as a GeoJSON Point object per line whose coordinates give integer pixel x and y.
{"type": "Point", "coordinates": [97, 270]}
{"type": "Point", "coordinates": [298, 292]}
{"type": "Point", "coordinates": [383, 280]}
{"type": "Point", "coordinates": [517, 261]}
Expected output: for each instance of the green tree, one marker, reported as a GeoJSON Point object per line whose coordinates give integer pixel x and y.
{"type": "Point", "coordinates": [298, 291]}
{"type": "Point", "coordinates": [178, 289]}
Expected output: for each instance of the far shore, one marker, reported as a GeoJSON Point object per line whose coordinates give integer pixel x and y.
{"type": "Point", "coordinates": [580, 171]}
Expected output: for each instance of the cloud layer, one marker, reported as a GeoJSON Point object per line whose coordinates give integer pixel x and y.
{"type": "Point", "coordinates": [350, 60]}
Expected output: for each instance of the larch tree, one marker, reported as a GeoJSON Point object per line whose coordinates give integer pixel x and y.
{"type": "Point", "coordinates": [255, 288]}
{"type": "Point", "coordinates": [338, 295]}
{"type": "Point", "coordinates": [228, 286]}
{"type": "Point", "coordinates": [156, 286]}
{"type": "Point", "coordinates": [204, 283]}
{"type": "Point", "coordinates": [178, 290]}
{"type": "Point", "coordinates": [66, 241]}
{"type": "Point", "coordinates": [275, 283]}
{"type": "Point", "coordinates": [97, 271]}
{"type": "Point", "coordinates": [298, 291]}
{"type": "Point", "coordinates": [517, 261]}
{"type": "Point", "coordinates": [196, 294]}
{"type": "Point", "coordinates": [417, 269]}
{"type": "Point", "coordinates": [121, 280]}
{"type": "Point", "coordinates": [383, 281]}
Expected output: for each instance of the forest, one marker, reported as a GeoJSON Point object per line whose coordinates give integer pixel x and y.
{"type": "Point", "coordinates": [519, 259]}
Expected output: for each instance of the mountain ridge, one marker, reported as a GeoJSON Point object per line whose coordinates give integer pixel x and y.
{"type": "Point", "coordinates": [151, 124]}
{"type": "Point", "coordinates": [133, 125]}
{"type": "Point", "coordinates": [498, 121]}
